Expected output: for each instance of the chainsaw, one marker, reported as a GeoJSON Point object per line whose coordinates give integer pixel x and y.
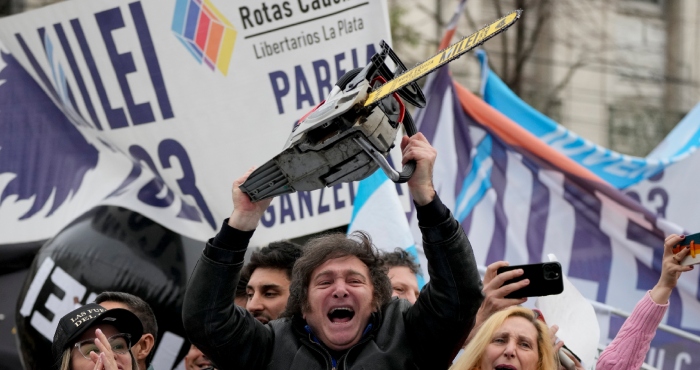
{"type": "Point", "coordinates": [348, 135]}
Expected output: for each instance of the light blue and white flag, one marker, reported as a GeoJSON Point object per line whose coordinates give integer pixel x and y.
{"type": "Point", "coordinates": [378, 211]}
{"type": "Point", "coordinates": [618, 169]}
{"type": "Point", "coordinates": [682, 140]}
{"type": "Point", "coordinates": [662, 181]}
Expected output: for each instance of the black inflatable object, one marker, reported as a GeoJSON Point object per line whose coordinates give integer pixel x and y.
{"type": "Point", "coordinates": [106, 249]}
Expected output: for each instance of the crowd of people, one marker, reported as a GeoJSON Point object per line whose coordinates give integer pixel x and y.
{"type": "Point", "coordinates": [339, 303]}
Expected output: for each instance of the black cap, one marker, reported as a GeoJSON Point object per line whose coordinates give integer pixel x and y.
{"type": "Point", "coordinates": [75, 323]}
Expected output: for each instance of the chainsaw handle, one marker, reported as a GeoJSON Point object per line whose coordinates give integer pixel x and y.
{"type": "Point", "coordinates": [410, 166]}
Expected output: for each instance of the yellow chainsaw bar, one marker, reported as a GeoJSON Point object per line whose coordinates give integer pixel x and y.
{"type": "Point", "coordinates": [447, 55]}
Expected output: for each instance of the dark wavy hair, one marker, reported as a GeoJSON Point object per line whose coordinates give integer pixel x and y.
{"type": "Point", "coordinates": [279, 255]}
{"type": "Point", "coordinates": [319, 250]}
{"type": "Point", "coordinates": [401, 258]}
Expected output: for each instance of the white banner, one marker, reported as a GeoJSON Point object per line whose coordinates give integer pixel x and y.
{"type": "Point", "coordinates": [162, 104]}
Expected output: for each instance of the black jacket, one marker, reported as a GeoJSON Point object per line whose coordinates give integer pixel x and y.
{"type": "Point", "coordinates": [425, 335]}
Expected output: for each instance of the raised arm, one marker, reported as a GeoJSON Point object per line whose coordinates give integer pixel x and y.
{"type": "Point", "coordinates": [445, 309]}
{"type": "Point", "coordinates": [230, 336]}
{"type": "Point", "coordinates": [631, 344]}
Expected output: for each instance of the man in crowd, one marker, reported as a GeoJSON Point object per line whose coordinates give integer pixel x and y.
{"type": "Point", "coordinates": [340, 312]}
{"type": "Point", "coordinates": [270, 272]}
{"type": "Point", "coordinates": [142, 348]}
{"type": "Point", "coordinates": [402, 274]}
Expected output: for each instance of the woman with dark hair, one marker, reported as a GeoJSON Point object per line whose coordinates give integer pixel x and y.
{"type": "Point", "coordinates": [94, 338]}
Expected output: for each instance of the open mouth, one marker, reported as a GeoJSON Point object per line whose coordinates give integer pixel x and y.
{"type": "Point", "coordinates": [505, 367]}
{"type": "Point", "coordinates": [341, 314]}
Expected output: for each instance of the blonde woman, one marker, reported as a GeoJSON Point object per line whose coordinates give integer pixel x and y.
{"type": "Point", "coordinates": [94, 338]}
{"type": "Point", "coordinates": [511, 339]}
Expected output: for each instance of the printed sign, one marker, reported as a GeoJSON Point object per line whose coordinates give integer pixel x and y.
{"type": "Point", "coordinates": [159, 106]}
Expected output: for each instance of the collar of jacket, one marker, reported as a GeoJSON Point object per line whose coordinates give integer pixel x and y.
{"type": "Point", "coordinates": [300, 326]}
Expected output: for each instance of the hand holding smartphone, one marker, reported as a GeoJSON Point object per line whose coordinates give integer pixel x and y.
{"type": "Point", "coordinates": [545, 279]}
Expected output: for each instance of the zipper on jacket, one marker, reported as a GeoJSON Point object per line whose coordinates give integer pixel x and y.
{"type": "Point", "coordinates": [325, 354]}
{"type": "Point", "coordinates": [344, 358]}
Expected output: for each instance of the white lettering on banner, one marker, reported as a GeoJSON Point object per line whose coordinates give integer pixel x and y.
{"type": "Point", "coordinates": [167, 351]}
{"type": "Point", "coordinates": [616, 164]}
{"type": "Point", "coordinates": [681, 359]}
{"type": "Point", "coordinates": [563, 141]}
{"type": "Point", "coordinates": [625, 167]}
{"type": "Point", "coordinates": [73, 293]}
{"type": "Point", "coordinates": [655, 357]}
{"type": "Point", "coordinates": [551, 136]}
{"type": "Point", "coordinates": [35, 287]}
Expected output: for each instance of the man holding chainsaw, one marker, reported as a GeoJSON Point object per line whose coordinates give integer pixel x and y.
{"type": "Point", "coordinates": [340, 314]}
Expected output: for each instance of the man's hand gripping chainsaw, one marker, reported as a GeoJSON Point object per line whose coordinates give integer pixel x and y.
{"type": "Point", "coordinates": [348, 136]}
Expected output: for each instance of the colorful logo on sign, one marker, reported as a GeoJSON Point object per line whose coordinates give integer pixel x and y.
{"type": "Point", "coordinates": [205, 32]}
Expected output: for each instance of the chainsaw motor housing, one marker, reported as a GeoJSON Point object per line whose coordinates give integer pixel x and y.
{"type": "Point", "coordinates": [342, 140]}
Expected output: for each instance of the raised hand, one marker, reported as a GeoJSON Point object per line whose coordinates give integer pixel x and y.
{"type": "Point", "coordinates": [671, 269]}
{"type": "Point", "coordinates": [419, 149]}
{"type": "Point", "coordinates": [495, 292]}
{"type": "Point", "coordinates": [246, 214]}
{"type": "Point", "coordinates": [105, 360]}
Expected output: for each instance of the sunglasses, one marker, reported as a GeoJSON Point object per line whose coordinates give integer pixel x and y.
{"type": "Point", "coordinates": [120, 344]}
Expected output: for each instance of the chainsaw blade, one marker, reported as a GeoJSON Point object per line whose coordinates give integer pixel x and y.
{"type": "Point", "coordinates": [447, 55]}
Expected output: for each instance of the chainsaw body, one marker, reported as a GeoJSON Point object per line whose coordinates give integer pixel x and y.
{"type": "Point", "coordinates": [342, 140]}
{"type": "Point", "coordinates": [347, 136]}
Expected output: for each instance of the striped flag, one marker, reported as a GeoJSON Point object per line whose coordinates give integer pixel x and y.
{"type": "Point", "coordinates": [378, 211]}
{"type": "Point", "coordinates": [661, 181]}
{"type": "Point", "coordinates": [518, 199]}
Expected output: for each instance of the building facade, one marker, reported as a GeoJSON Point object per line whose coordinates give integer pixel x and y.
{"type": "Point", "coordinates": [620, 73]}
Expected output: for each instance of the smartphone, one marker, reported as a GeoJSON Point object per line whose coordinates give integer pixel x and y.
{"type": "Point", "coordinates": [545, 279]}
{"type": "Point", "coordinates": [693, 243]}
